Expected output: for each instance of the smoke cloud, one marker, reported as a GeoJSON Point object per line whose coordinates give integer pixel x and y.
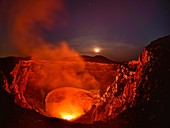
{"type": "Point", "coordinates": [29, 19]}
{"type": "Point", "coordinates": [65, 68]}
{"type": "Point", "coordinates": [53, 66]}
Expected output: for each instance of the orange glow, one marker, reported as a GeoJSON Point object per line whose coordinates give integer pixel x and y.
{"type": "Point", "coordinates": [68, 117]}
{"type": "Point", "coordinates": [68, 103]}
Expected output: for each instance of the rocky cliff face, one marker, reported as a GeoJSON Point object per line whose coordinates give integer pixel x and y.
{"type": "Point", "coordinates": [151, 103]}
{"type": "Point", "coordinates": [138, 82]}
{"type": "Point", "coordinates": [131, 93]}
{"type": "Point", "coordinates": [128, 89]}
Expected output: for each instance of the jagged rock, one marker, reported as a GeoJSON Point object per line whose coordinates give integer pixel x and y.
{"type": "Point", "coordinates": [138, 82]}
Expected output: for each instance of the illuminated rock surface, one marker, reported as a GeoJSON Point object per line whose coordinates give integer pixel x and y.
{"type": "Point", "coordinates": [132, 94]}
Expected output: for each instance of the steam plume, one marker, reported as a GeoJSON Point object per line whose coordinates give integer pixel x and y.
{"type": "Point", "coordinates": [28, 20]}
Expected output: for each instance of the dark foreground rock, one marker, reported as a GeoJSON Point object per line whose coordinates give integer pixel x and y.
{"type": "Point", "coordinates": [132, 95]}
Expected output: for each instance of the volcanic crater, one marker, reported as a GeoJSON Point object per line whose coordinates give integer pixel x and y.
{"type": "Point", "coordinates": [100, 90]}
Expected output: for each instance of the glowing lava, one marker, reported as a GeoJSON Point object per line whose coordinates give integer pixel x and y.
{"type": "Point", "coordinates": [68, 117]}
{"type": "Point", "coordinates": [68, 103]}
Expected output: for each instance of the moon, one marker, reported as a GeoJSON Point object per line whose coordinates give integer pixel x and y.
{"type": "Point", "coordinates": [97, 50]}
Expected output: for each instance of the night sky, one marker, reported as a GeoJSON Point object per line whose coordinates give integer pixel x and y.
{"type": "Point", "coordinates": [120, 28]}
